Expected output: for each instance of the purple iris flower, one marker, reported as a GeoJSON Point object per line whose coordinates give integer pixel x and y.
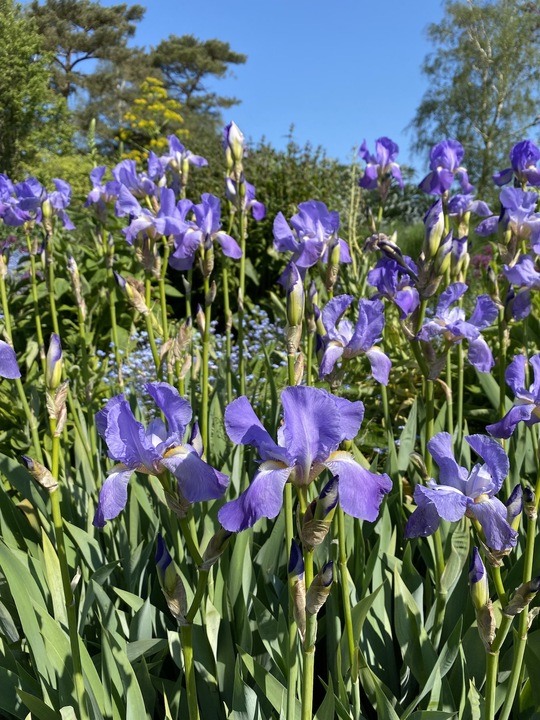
{"type": "Point", "coordinates": [460, 492]}
{"type": "Point", "coordinates": [380, 166]}
{"type": "Point", "coordinates": [394, 282]}
{"type": "Point", "coordinates": [460, 205]}
{"type": "Point", "coordinates": [313, 229]}
{"type": "Point", "coordinates": [8, 362]}
{"type": "Point", "coordinates": [258, 210]}
{"type": "Point", "coordinates": [202, 233]}
{"type": "Point", "coordinates": [177, 161]}
{"type": "Point", "coordinates": [140, 185]}
{"type": "Point", "coordinates": [153, 450]}
{"type": "Point", "coordinates": [32, 196]}
{"type": "Point", "coordinates": [445, 165]}
{"type": "Point", "coordinates": [527, 404]}
{"type": "Point", "coordinates": [167, 221]}
{"type": "Point", "coordinates": [451, 324]}
{"type": "Point", "coordinates": [343, 340]}
{"type": "Point", "coordinates": [10, 211]}
{"type": "Point", "coordinates": [517, 216]}
{"type": "Point", "coordinates": [102, 194]}
{"type": "Point", "coordinates": [315, 423]}
{"type": "Point", "coordinates": [524, 157]}
{"type": "Point", "coordinates": [524, 275]}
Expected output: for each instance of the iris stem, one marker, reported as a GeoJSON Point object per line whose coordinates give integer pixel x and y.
{"type": "Point", "coordinates": [492, 663]}
{"type": "Point", "coordinates": [520, 639]}
{"type": "Point", "coordinates": [149, 317]}
{"type": "Point", "coordinates": [241, 301]}
{"type": "Point", "coordinates": [186, 636]}
{"type": "Point", "coordinates": [32, 422]}
{"type": "Point", "coordinates": [35, 301]}
{"type": "Point", "coordinates": [205, 361]}
{"type": "Point", "coordinates": [228, 327]}
{"type": "Point", "coordinates": [289, 535]}
{"type": "Point", "coordinates": [449, 396]}
{"type": "Point", "coordinates": [108, 249]}
{"type": "Point", "coordinates": [345, 596]}
{"type": "Point", "coordinates": [56, 512]}
{"type": "Point", "coordinates": [163, 301]}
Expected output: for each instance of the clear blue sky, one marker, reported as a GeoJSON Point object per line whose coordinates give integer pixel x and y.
{"type": "Point", "coordinates": [339, 70]}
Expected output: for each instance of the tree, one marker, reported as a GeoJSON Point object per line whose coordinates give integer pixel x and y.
{"type": "Point", "coordinates": [484, 81]}
{"type": "Point", "coordinates": [187, 64]}
{"type": "Point", "coordinates": [30, 116]}
{"type": "Point", "coordinates": [78, 31]}
{"type": "Point", "coordinates": [152, 117]}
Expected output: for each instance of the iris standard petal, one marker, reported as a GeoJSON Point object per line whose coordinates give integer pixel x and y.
{"type": "Point", "coordinates": [380, 365]}
{"type": "Point", "coordinates": [333, 310]}
{"type": "Point", "coordinates": [360, 491]}
{"type": "Point", "coordinates": [244, 428]}
{"type": "Point", "coordinates": [515, 375]}
{"type": "Point", "coordinates": [534, 362]}
{"type": "Point", "coordinates": [485, 312]}
{"type": "Point", "coordinates": [177, 411]}
{"type": "Point", "coordinates": [263, 498]}
{"type": "Point", "coordinates": [311, 426]}
{"type": "Point", "coordinates": [493, 455]}
{"type": "Point", "coordinates": [112, 497]}
{"type": "Point", "coordinates": [283, 237]}
{"type": "Point", "coordinates": [449, 297]}
{"type": "Point", "coordinates": [450, 473]}
{"type": "Point", "coordinates": [125, 437]}
{"type": "Point", "coordinates": [480, 355]}
{"type": "Point", "coordinates": [351, 414]}
{"type": "Point", "coordinates": [369, 327]}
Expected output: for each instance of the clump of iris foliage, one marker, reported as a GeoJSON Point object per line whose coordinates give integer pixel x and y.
{"type": "Point", "coordinates": [321, 503]}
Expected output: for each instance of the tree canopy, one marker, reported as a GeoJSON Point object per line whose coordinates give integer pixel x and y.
{"type": "Point", "coordinates": [483, 81]}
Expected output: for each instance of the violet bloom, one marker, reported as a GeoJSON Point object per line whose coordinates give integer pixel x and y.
{"type": "Point", "coordinates": [460, 492]}
{"type": "Point", "coordinates": [524, 275]}
{"type": "Point", "coordinates": [102, 194]}
{"type": "Point", "coordinates": [517, 216]}
{"type": "Point", "coordinates": [381, 166]}
{"type": "Point", "coordinates": [343, 340]}
{"type": "Point", "coordinates": [8, 362]}
{"type": "Point", "coordinates": [445, 165]}
{"type": "Point", "coordinates": [394, 283]}
{"type": "Point", "coordinates": [166, 221]}
{"type": "Point", "coordinates": [140, 185]}
{"type": "Point", "coordinates": [313, 228]}
{"type": "Point", "coordinates": [315, 423]}
{"type": "Point", "coordinates": [461, 205]}
{"type": "Point", "coordinates": [153, 450]}
{"type": "Point", "coordinates": [248, 202]}
{"type": "Point", "coordinates": [202, 233]}
{"type": "Point", "coordinates": [178, 160]}
{"type": "Point", "coordinates": [524, 157]}
{"type": "Point", "coordinates": [527, 403]}
{"type": "Point", "coordinates": [450, 323]}
{"type": "Point", "coordinates": [33, 198]}
{"type": "Point", "coordinates": [10, 211]}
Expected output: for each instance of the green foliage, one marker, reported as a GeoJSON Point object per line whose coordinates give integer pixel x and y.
{"type": "Point", "coordinates": [29, 111]}
{"type": "Point", "coordinates": [483, 81]}
{"type": "Point", "coordinates": [187, 64]}
{"type": "Point", "coordinates": [75, 32]}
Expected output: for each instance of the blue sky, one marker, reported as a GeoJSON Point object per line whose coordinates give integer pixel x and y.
{"type": "Point", "coordinates": [339, 70]}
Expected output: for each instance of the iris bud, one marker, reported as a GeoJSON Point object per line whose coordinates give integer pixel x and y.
{"type": "Point", "coordinates": [297, 587]}
{"type": "Point", "coordinates": [132, 293]}
{"type": "Point", "coordinates": [522, 597]}
{"type": "Point", "coordinates": [460, 257]}
{"type": "Point", "coordinates": [443, 258]}
{"type": "Point", "coordinates": [171, 583]}
{"type": "Point", "coordinates": [215, 548]}
{"type": "Point", "coordinates": [478, 581]}
{"type": "Point", "coordinates": [54, 363]}
{"type": "Point", "coordinates": [483, 608]}
{"type": "Point", "coordinates": [319, 515]}
{"type": "Point", "coordinates": [233, 142]}
{"type": "Point", "coordinates": [529, 503]}
{"type": "Point", "coordinates": [295, 309]}
{"type": "Point", "coordinates": [40, 473]}
{"type": "Point", "coordinates": [434, 230]}
{"type": "Point", "coordinates": [319, 589]}
{"type": "Point", "coordinates": [514, 507]}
